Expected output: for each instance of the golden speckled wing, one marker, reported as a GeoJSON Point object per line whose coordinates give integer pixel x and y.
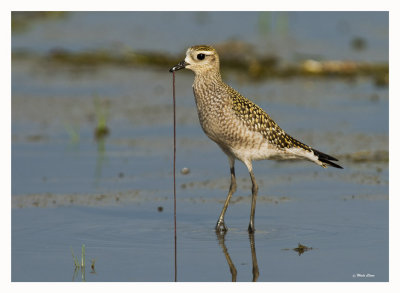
{"type": "Point", "coordinates": [257, 120]}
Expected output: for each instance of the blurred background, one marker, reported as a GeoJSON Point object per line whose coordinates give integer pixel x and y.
{"type": "Point", "coordinates": [92, 146]}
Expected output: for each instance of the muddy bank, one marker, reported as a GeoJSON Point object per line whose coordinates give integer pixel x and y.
{"type": "Point", "coordinates": [253, 67]}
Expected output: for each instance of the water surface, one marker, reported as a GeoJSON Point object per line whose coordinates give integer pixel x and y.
{"type": "Point", "coordinates": [115, 195]}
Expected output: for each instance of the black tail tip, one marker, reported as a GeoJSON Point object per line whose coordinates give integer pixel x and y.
{"type": "Point", "coordinates": [331, 164]}
{"type": "Point", "coordinates": [324, 158]}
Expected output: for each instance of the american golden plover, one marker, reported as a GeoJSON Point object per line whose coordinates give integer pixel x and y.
{"type": "Point", "coordinates": [241, 128]}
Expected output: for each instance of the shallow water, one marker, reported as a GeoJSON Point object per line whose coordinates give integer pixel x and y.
{"type": "Point", "coordinates": [288, 34]}
{"type": "Point", "coordinates": [69, 189]}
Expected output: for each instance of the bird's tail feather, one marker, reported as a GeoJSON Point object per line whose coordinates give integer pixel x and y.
{"type": "Point", "coordinates": [324, 158]}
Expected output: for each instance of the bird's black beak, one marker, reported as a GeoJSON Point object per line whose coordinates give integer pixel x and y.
{"type": "Point", "coordinates": [179, 66]}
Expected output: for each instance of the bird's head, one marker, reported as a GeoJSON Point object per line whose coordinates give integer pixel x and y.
{"type": "Point", "coordinates": [200, 59]}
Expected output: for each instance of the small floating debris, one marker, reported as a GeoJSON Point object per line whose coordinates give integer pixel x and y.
{"type": "Point", "coordinates": [36, 138]}
{"type": "Point", "coordinates": [160, 209]}
{"type": "Point", "coordinates": [358, 43]}
{"type": "Point", "coordinates": [93, 261]}
{"type": "Point", "coordinates": [185, 171]}
{"type": "Point", "coordinates": [300, 249]}
{"type": "Point", "coordinates": [101, 132]}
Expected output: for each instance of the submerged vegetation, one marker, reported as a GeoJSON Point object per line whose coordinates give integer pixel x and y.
{"type": "Point", "coordinates": [80, 265]}
{"type": "Point", "coordinates": [77, 263]}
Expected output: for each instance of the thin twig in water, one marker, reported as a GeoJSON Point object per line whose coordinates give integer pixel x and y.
{"type": "Point", "coordinates": [173, 98]}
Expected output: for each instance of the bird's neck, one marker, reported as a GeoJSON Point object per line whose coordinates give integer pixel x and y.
{"type": "Point", "coordinates": [208, 92]}
{"type": "Point", "coordinates": [207, 80]}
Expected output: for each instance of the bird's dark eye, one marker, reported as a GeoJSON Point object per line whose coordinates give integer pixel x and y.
{"type": "Point", "coordinates": [201, 56]}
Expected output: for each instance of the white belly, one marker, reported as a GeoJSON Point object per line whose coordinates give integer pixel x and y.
{"type": "Point", "coordinates": [269, 152]}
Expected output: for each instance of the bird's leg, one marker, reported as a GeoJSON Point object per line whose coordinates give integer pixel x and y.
{"type": "Point", "coordinates": [220, 227]}
{"type": "Point", "coordinates": [254, 190]}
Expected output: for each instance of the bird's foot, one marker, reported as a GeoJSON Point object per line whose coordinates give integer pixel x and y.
{"type": "Point", "coordinates": [220, 227]}
{"type": "Point", "coordinates": [251, 228]}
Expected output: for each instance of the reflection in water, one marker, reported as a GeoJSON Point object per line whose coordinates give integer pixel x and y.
{"type": "Point", "coordinates": [254, 257]}
{"type": "Point", "coordinates": [221, 241]}
{"type": "Point", "coordinates": [101, 131]}
{"type": "Point", "coordinates": [77, 270]}
{"type": "Point", "coordinates": [79, 265]}
{"type": "Point", "coordinates": [82, 269]}
{"type": "Point", "coordinates": [101, 157]}
{"type": "Point", "coordinates": [232, 268]}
